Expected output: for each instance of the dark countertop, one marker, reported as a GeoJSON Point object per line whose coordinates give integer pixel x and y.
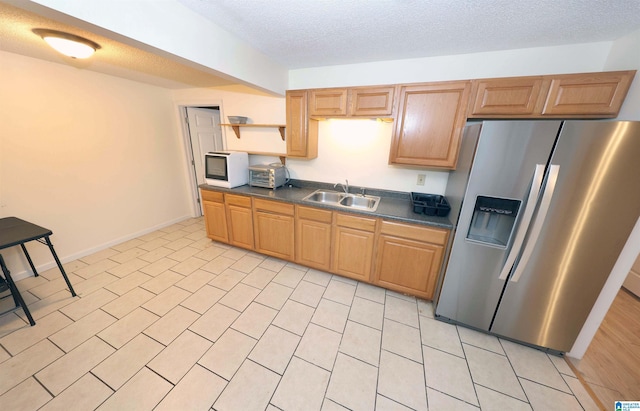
{"type": "Point", "coordinates": [394, 205]}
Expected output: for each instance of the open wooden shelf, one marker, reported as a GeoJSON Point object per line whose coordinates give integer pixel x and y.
{"type": "Point", "coordinates": [236, 127]}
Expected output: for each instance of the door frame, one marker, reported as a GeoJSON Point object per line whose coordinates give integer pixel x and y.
{"type": "Point", "coordinates": [181, 112]}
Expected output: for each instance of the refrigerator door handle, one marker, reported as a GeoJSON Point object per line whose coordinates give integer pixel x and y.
{"type": "Point", "coordinates": [532, 200]}
{"type": "Point", "coordinates": [537, 226]}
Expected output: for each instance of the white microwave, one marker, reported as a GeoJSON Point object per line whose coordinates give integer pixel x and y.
{"type": "Point", "coordinates": [226, 168]}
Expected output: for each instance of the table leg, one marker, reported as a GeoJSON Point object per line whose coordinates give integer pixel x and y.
{"type": "Point", "coordinates": [4, 285]}
{"type": "Point", "coordinates": [55, 256]}
{"type": "Point", "coordinates": [15, 292]}
{"type": "Point", "coordinates": [26, 254]}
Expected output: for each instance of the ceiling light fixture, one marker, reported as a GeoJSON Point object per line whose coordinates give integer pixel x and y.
{"type": "Point", "coordinates": [68, 44]}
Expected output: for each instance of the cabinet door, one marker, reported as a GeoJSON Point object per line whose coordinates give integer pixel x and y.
{"type": "Point", "coordinates": [240, 226]}
{"type": "Point", "coordinates": [589, 95]}
{"type": "Point", "coordinates": [273, 224]}
{"type": "Point", "coordinates": [215, 218]}
{"type": "Point", "coordinates": [408, 266]}
{"type": "Point", "coordinates": [328, 102]}
{"type": "Point", "coordinates": [353, 253]}
{"type": "Point", "coordinates": [301, 132]}
{"type": "Point", "coordinates": [313, 238]}
{"type": "Point", "coordinates": [353, 242]}
{"type": "Point", "coordinates": [372, 101]}
{"type": "Point", "coordinates": [429, 124]}
{"type": "Point", "coordinates": [274, 235]}
{"type": "Point", "coordinates": [505, 97]}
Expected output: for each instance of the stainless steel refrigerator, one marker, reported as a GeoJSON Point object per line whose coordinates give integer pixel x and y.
{"type": "Point", "coordinates": [542, 210]}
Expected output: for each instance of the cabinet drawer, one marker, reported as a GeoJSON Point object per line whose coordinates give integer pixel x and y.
{"type": "Point", "coordinates": [273, 206]}
{"type": "Point", "coordinates": [360, 223]}
{"type": "Point", "coordinates": [315, 214]}
{"type": "Point", "coordinates": [212, 196]}
{"type": "Point", "coordinates": [240, 201]}
{"type": "Point", "coordinates": [413, 232]}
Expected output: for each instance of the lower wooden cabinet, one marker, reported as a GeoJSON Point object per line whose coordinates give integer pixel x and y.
{"type": "Point", "coordinates": [273, 224]}
{"type": "Point", "coordinates": [239, 220]}
{"type": "Point", "coordinates": [402, 257]}
{"type": "Point", "coordinates": [215, 215]}
{"type": "Point", "coordinates": [409, 258]}
{"type": "Point", "coordinates": [353, 242]}
{"type": "Point", "coordinates": [313, 237]}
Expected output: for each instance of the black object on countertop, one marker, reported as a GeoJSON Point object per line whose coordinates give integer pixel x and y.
{"type": "Point", "coordinates": [430, 204]}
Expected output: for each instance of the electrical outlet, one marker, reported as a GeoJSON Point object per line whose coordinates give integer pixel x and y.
{"type": "Point", "coordinates": [421, 178]}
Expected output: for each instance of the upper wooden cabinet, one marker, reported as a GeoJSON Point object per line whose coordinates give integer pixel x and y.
{"type": "Point", "coordinates": [302, 131]}
{"type": "Point", "coordinates": [368, 102]}
{"type": "Point", "coordinates": [505, 96]}
{"type": "Point", "coordinates": [429, 123]}
{"type": "Point", "coordinates": [584, 95]}
{"type": "Point", "coordinates": [429, 117]}
{"type": "Point", "coordinates": [328, 102]}
{"type": "Point", "coordinates": [372, 101]}
{"type": "Point", "coordinates": [588, 95]}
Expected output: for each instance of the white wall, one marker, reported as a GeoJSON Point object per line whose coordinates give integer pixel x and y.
{"type": "Point", "coordinates": [97, 159]}
{"type": "Point", "coordinates": [625, 55]}
{"type": "Point", "coordinates": [521, 62]}
{"type": "Point", "coordinates": [358, 150]}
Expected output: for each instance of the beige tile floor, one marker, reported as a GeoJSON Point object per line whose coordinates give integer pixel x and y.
{"type": "Point", "coordinates": [173, 321]}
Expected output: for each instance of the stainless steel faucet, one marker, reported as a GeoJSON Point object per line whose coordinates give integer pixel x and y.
{"type": "Point", "coordinates": [345, 186]}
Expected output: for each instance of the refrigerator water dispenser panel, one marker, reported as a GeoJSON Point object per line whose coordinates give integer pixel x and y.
{"type": "Point", "coordinates": [493, 221]}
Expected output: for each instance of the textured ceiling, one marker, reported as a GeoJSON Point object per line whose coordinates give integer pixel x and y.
{"type": "Point", "coordinates": [311, 33]}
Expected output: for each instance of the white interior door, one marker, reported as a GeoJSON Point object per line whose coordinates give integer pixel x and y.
{"type": "Point", "coordinates": [205, 135]}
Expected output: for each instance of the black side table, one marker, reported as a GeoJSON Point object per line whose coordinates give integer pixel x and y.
{"type": "Point", "coordinates": [14, 231]}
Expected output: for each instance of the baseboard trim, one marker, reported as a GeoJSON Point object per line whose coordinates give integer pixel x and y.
{"type": "Point", "coordinates": [586, 386]}
{"type": "Point", "coordinates": [65, 259]}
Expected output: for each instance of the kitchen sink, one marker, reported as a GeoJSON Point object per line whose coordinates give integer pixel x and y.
{"type": "Point", "coordinates": [365, 203]}
{"type": "Point", "coordinates": [344, 200]}
{"type": "Point", "coordinates": [320, 196]}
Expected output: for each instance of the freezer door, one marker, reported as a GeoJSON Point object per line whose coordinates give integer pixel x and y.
{"type": "Point", "coordinates": [507, 156]}
{"type": "Point", "coordinates": [592, 207]}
